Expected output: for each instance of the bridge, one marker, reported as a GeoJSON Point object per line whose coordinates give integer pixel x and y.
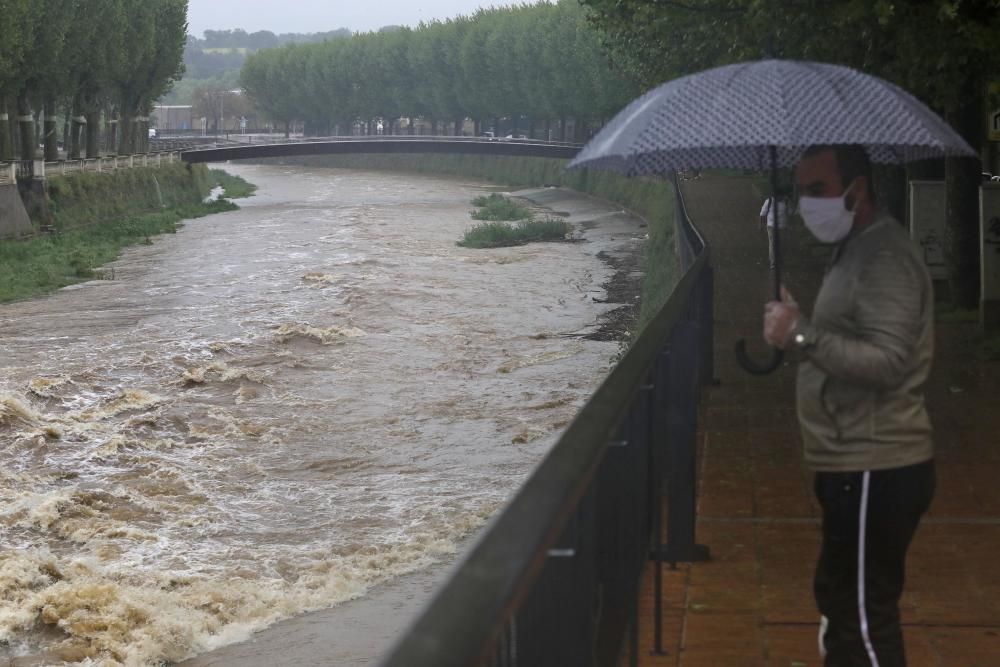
{"type": "Point", "coordinates": [383, 144]}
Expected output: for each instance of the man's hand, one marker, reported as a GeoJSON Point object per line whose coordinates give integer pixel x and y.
{"type": "Point", "coordinates": [780, 318]}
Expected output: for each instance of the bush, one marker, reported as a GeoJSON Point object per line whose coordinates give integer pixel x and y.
{"type": "Point", "coordinates": [498, 207]}
{"type": "Point", "coordinates": [498, 234]}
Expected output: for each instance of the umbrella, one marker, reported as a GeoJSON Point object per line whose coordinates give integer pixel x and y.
{"type": "Point", "coordinates": [763, 115]}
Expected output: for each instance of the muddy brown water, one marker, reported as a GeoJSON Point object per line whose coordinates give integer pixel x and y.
{"type": "Point", "coordinates": [281, 409]}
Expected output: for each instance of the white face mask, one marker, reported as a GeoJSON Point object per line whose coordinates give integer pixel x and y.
{"type": "Point", "coordinates": [827, 217]}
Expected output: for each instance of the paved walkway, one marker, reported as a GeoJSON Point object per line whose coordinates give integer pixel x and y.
{"type": "Point", "coordinates": [752, 604]}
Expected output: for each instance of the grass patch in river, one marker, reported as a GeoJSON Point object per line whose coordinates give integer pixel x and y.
{"type": "Point", "coordinates": [497, 207]}
{"type": "Point", "coordinates": [234, 187]}
{"type": "Point", "coordinates": [498, 234]}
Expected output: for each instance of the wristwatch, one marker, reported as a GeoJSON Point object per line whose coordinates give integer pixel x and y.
{"type": "Point", "coordinates": [804, 335]}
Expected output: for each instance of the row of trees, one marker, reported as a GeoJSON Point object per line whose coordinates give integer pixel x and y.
{"type": "Point", "coordinates": [223, 50]}
{"type": "Point", "coordinates": [532, 64]}
{"type": "Point", "coordinates": [261, 39]}
{"type": "Point", "coordinates": [78, 58]}
{"type": "Point", "coordinates": [941, 50]}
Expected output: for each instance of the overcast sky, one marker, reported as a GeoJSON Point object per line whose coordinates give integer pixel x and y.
{"type": "Point", "coordinates": [306, 16]}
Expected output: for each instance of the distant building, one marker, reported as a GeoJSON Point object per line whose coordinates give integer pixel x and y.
{"type": "Point", "coordinates": [172, 117]}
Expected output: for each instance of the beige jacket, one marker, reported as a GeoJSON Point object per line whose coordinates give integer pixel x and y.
{"type": "Point", "coordinates": [867, 354]}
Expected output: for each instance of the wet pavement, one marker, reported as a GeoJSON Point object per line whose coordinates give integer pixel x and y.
{"type": "Point", "coordinates": [752, 604]}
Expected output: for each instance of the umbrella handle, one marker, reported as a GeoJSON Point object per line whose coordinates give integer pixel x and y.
{"type": "Point", "coordinates": [752, 367]}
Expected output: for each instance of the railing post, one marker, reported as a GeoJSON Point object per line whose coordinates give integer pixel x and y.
{"type": "Point", "coordinates": [555, 623]}
{"type": "Point", "coordinates": [684, 389]}
{"type": "Point", "coordinates": [658, 475]}
{"type": "Point", "coordinates": [706, 326]}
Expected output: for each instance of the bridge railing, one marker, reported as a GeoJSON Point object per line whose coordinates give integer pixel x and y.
{"type": "Point", "coordinates": [554, 579]}
{"type": "Point", "coordinates": [8, 172]}
{"type": "Point", "coordinates": [211, 142]}
{"type": "Point", "coordinates": [249, 149]}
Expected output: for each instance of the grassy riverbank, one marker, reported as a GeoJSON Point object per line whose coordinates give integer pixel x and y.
{"type": "Point", "coordinates": [649, 198]}
{"type": "Point", "coordinates": [97, 215]}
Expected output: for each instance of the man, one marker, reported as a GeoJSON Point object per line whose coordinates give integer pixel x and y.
{"type": "Point", "coordinates": [865, 356]}
{"type": "Point", "coordinates": [767, 212]}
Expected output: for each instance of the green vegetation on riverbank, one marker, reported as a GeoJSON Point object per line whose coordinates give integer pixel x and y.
{"type": "Point", "coordinates": [78, 200]}
{"type": "Point", "coordinates": [97, 215]}
{"type": "Point", "coordinates": [650, 198]}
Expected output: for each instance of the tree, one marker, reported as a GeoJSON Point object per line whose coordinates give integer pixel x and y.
{"type": "Point", "coordinates": [15, 33]}
{"type": "Point", "coordinates": [655, 40]}
{"type": "Point", "coordinates": [153, 61]}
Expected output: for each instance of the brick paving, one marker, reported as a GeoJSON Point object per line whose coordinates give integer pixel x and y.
{"type": "Point", "coordinates": [752, 605]}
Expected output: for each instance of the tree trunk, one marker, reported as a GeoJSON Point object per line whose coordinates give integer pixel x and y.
{"type": "Point", "coordinates": [287, 130]}
{"type": "Point", "coordinates": [77, 123]}
{"type": "Point", "coordinates": [66, 121]}
{"type": "Point", "coordinates": [562, 128]}
{"type": "Point", "coordinates": [26, 127]}
{"type": "Point", "coordinates": [890, 189]}
{"type": "Point", "coordinates": [142, 134]}
{"type": "Point", "coordinates": [13, 130]}
{"type": "Point", "coordinates": [548, 129]}
{"type": "Point", "coordinates": [531, 128]}
{"type": "Point", "coordinates": [125, 134]}
{"type": "Point", "coordinates": [93, 130]}
{"type": "Point", "coordinates": [925, 170]}
{"type": "Point", "coordinates": [50, 124]}
{"type": "Point", "coordinates": [991, 165]}
{"type": "Point", "coordinates": [962, 177]}
{"type": "Point", "coordinates": [6, 142]}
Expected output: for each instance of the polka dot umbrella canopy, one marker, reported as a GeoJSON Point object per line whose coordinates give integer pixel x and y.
{"type": "Point", "coordinates": [763, 115]}
{"type": "Point", "coordinates": [731, 116]}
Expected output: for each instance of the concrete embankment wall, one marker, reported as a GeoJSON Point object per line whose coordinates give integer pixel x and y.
{"type": "Point", "coordinates": [84, 199]}
{"type": "Point", "coordinates": [14, 220]}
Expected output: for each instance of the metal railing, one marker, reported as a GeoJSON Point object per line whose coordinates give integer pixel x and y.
{"type": "Point", "coordinates": [28, 169]}
{"type": "Point", "coordinates": [554, 579]}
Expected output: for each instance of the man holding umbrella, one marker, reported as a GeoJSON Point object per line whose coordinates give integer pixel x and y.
{"type": "Point", "coordinates": [866, 351]}
{"type": "Point", "coordinates": [865, 356]}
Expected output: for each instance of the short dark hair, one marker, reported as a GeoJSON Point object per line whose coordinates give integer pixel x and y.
{"type": "Point", "coordinates": [852, 161]}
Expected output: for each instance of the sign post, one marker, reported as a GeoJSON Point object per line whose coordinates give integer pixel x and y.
{"type": "Point", "coordinates": [927, 224]}
{"type": "Point", "coordinates": [993, 111]}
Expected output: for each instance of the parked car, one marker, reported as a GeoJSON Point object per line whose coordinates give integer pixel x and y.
{"type": "Point", "coordinates": [152, 133]}
{"type": "Point", "coordinates": [488, 135]}
{"type": "Point", "coordinates": [516, 136]}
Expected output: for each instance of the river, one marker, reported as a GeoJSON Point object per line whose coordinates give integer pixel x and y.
{"type": "Point", "coordinates": [278, 409]}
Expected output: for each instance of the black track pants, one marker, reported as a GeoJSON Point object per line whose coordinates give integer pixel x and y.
{"type": "Point", "coordinates": [869, 519]}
